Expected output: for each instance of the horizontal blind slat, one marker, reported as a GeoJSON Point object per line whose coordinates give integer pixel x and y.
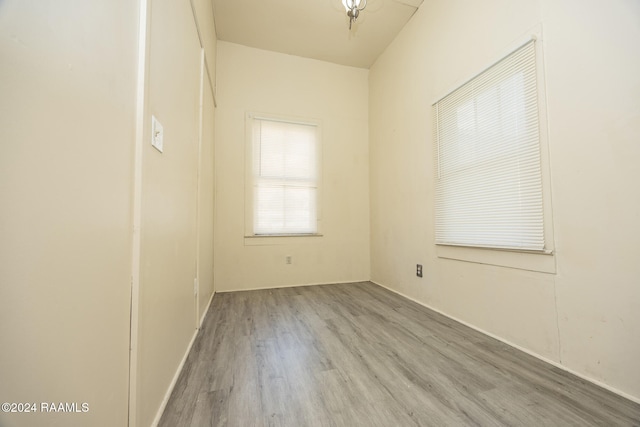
{"type": "Point", "coordinates": [284, 177]}
{"type": "Point", "coordinates": [489, 187]}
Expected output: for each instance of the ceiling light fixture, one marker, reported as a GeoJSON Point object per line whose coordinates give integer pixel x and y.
{"type": "Point", "coordinates": [353, 8]}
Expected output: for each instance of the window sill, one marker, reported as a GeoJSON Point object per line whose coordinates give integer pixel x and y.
{"type": "Point", "coordinates": [543, 262]}
{"type": "Point", "coordinates": [276, 239]}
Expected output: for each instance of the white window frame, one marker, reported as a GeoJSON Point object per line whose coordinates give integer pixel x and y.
{"type": "Point", "coordinates": [543, 261]}
{"type": "Point", "coordinates": [266, 238]}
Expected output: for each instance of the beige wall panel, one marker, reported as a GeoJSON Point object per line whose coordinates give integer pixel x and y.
{"type": "Point", "coordinates": [169, 202]}
{"type": "Point", "coordinates": [252, 80]}
{"type": "Point", "coordinates": [203, 10]}
{"type": "Point", "coordinates": [206, 200]}
{"type": "Point", "coordinates": [583, 317]}
{"type": "Point", "coordinates": [594, 103]}
{"type": "Point", "coordinates": [67, 91]}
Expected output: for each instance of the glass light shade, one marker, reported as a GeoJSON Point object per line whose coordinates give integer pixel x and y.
{"type": "Point", "coordinates": [349, 4]}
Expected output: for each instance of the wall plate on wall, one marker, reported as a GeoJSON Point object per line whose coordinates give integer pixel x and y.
{"type": "Point", "coordinates": [157, 134]}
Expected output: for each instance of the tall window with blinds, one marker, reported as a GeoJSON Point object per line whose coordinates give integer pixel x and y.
{"type": "Point", "coordinates": [489, 183]}
{"type": "Point", "coordinates": [285, 176]}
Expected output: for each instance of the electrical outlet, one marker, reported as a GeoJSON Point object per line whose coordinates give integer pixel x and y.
{"type": "Point", "coordinates": [419, 270]}
{"type": "Point", "coordinates": [288, 259]}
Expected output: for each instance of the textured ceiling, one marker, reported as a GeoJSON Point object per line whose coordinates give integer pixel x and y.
{"type": "Point", "coordinates": [316, 29]}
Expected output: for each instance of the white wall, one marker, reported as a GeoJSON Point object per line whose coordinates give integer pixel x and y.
{"type": "Point", "coordinates": [69, 195]}
{"type": "Point", "coordinates": [206, 200]}
{"type": "Point", "coordinates": [169, 200]}
{"type": "Point", "coordinates": [203, 10]}
{"type": "Point", "coordinates": [585, 316]}
{"type": "Point", "coordinates": [252, 80]}
{"type": "Point", "coordinates": [67, 92]}
{"type": "Point", "coordinates": [176, 197]}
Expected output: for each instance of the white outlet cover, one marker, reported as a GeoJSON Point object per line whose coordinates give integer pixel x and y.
{"type": "Point", "coordinates": [157, 134]}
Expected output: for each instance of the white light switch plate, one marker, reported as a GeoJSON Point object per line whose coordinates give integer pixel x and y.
{"type": "Point", "coordinates": [157, 134]}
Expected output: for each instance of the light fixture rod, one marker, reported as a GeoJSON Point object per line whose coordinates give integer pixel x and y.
{"type": "Point", "coordinates": [353, 8]}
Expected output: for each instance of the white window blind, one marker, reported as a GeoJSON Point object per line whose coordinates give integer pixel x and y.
{"type": "Point", "coordinates": [488, 184]}
{"type": "Point", "coordinates": [285, 177]}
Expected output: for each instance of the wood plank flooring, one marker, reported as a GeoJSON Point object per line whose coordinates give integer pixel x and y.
{"type": "Point", "coordinates": [360, 355]}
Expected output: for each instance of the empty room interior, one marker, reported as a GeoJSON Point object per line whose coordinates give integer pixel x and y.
{"type": "Point", "coordinates": [319, 213]}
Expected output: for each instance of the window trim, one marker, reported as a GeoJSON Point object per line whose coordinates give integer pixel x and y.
{"type": "Point", "coordinates": [543, 261]}
{"type": "Point", "coordinates": [249, 233]}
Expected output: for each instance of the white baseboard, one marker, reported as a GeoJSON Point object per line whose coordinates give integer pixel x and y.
{"type": "Point", "coordinates": [206, 310]}
{"type": "Point", "coordinates": [292, 286]}
{"type": "Point", "coordinates": [523, 349]}
{"type": "Point", "coordinates": [167, 395]}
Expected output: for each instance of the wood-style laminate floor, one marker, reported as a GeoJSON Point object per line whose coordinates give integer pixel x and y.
{"type": "Point", "coordinates": [360, 355]}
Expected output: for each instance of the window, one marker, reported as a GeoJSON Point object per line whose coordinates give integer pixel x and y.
{"type": "Point", "coordinates": [284, 175]}
{"type": "Point", "coordinates": [489, 190]}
